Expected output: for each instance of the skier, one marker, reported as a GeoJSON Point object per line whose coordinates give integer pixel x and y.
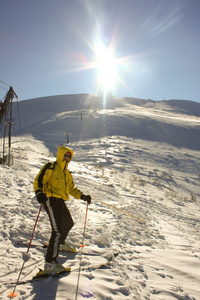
{"type": "Point", "coordinates": [52, 186]}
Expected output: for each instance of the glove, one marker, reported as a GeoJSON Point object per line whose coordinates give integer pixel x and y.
{"type": "Point", "coordinates": [41, 197]}
{"type": "Point", "coordinates": [86, 198]}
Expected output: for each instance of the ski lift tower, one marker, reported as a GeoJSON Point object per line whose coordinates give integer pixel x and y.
{"type": "Point", "coordinates": [6, 119]}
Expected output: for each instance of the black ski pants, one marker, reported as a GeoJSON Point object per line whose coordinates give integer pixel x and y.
{"type": "Point", "coordinates": [61, 223]}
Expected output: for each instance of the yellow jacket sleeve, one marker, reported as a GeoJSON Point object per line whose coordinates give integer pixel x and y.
{"type": "Point", "coordinates": [73, 191]}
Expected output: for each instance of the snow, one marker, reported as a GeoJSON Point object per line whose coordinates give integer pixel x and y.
{"type": "Point", "coordinates": [139, 156]}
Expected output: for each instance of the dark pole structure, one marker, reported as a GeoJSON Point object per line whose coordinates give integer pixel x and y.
{"type": "Point", "coordinates": [5, 108]}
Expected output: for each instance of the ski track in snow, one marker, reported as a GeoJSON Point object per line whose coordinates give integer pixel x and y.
{"type": "Point", "coordinates": [157, 182]}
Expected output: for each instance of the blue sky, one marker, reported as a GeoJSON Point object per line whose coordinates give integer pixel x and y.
{"type": "Point", "coordinates": [49, 47]}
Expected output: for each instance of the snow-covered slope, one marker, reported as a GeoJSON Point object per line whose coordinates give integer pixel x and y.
{"type": "Point", "coordinates": [140, 156]}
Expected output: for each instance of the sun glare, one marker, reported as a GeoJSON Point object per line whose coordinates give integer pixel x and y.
{"type": "Point", "coordinates": [107, 67]}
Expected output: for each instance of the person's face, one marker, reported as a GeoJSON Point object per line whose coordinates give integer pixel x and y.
{"type": "Point", "coordinates": [67, 157]}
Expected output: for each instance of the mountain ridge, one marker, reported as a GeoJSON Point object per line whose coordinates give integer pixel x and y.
{"type": "Point", "coordinates": [86, 115]}
{"type": "Point", "coordinates": [184, 106]}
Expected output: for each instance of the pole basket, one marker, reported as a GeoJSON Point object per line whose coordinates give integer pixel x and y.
{"type": "Point", "coordinates": [12, 295]}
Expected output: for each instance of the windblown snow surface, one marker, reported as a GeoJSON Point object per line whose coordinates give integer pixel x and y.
{"type": "Point", "coordinates": [141, 157]}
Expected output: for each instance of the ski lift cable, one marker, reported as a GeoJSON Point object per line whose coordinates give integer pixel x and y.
{"type": "Point", "coordinates": [1, 100]}
{"type": "Point", "coordinates": [5, 83]}
{"type": "Point", "coordinates": [3, 88]}
{"type": "Point", "coordinates": [20, 131]}
{"type": "Point", "coordinates": [4, 117]}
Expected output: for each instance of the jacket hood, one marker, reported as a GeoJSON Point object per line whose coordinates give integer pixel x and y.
{"type": "Point", "coordinates": [60, 154]}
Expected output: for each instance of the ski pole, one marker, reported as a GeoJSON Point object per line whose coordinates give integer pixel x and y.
{"type": "Point", "coordinates": [82, 245]}
{"type": "Point", "coordinates": [13, 294]}
{"type": "Point", "coordinates": [125, 212]}
{"type": "Point", "coordinates": [81, 252]}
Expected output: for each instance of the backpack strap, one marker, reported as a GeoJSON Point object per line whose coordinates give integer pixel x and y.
{"type": "Point", "coordinates": [50, 166]}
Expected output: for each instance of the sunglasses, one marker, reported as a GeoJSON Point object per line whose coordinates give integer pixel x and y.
{"type": "Point", "coordinates": [67, 155]}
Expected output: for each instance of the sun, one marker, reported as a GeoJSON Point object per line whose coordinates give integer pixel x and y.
{"type": "Point", "coordinates": [107, 67]}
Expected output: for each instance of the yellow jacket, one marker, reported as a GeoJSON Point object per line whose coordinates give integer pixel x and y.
{"type": "Point", "coordinates": [55, 180]}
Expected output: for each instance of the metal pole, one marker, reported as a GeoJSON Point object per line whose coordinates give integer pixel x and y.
{"type": "Point", "coordinates": [85, 226]}
{"type": "Point", "coordinates": [4, 139]}
{"type": "Point", "coordinates": [10, 124]}
{"type": "Point", "coordinates": [79, 271]}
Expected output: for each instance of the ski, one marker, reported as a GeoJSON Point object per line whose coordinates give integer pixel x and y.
{"type": "Point", "coordinates": [70, 250]}
{"type": "Point", "coordinates": [24, 244]}
{"type": "Point", "coordinates": [42, 273]}
{"type": "Point", "coordinates": [89, 252]}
